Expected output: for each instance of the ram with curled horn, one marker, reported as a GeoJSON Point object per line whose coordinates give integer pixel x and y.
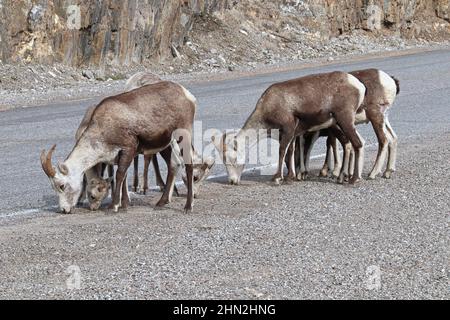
{"type": "Point", "coordinates": [145, 120]}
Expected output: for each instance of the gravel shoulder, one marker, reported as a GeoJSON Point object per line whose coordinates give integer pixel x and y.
{"type": "Point", "coordinates": [300, 241]}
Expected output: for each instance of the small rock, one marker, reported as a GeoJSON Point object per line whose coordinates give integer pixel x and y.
{"type": "Point", "coordinates": [88, 74]}
{"type": "Point", "coordinates": [175, 52]}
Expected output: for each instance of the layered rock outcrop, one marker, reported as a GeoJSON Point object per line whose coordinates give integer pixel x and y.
{"type": "Point", "coordinates": [83, 32]}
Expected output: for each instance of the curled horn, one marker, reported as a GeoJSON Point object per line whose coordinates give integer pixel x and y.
{"type": "Point", "coordinates": [46, 162]}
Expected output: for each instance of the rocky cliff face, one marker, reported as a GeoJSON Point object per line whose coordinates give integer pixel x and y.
{"type": "Point", "coordinates": [93, 32]}
{"type": "Point", "coordinates": [83, 32]}
{"type": "Point", "coordinates": [335, 17]}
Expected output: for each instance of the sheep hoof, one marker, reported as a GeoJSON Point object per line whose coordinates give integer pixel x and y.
{"type": "Point", "coordinates": [387, 174]}
{"type": "Point", "coordinates": [302, 176]}
{"type": "Point", "coordinates": [336, 173]}
{"type": "Point", "coordinates": [277, 181]}
{"type": "Point", "coordinates": [354, 180]}
{"type": "Point", "coordinates": [290, 179]}
{"type": "Point", "coordinates": [161, 203]}
{"type": "Point", "coordinates": [323, 173]}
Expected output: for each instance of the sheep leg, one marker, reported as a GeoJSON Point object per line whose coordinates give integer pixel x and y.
{"type": "Point", "coordinates": [378, 125]}
{"type": "Point", "coordinates": [166, 155]}
{"type": "Point", "coordinates": [302, 168]}
{"type": "Point", "coordinates": [147, 160]}
{"type": "Point", "coordinates": [111, 175]}
{"type": "Point", "coordinates": [188, 156]}
{"type": "Point", "coordinates": [393, 143]}
{"type": "Point", "coordinates": [136, 174]}
{"type": "Point", "coordinates": [346, 121]}
{"type": "Point", "coordinates": [327, 164]}
{"type": "Point", "coordinates": [172, 168]}
{"type": "Point", "coordinates": [125, 197]}
{"type": "Point", "coordinates": [290, 161]}
{"type": "Point", "coordinates": [337, 158]}
{"type": "Point", "coordinates": [297, 153]}
{"type": "Point", "coordinates": [346, 146]}
{"type": "Point", "coordinates": [159, 180]}
{"type": "Point", "coordinates": [351, 164]}
{"type": "Point", "coordinates": [331, 162]}
{"type": "Point", "coordinates": [124, 162]}
{"type": "Point", "coordinates": [286, 137]}
{"type": "Point", "coordinates": [309, 143]}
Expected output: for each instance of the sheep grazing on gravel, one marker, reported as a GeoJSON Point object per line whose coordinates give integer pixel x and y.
{"type": "Point", "coordinates": [121, 126]}
{"type": "Point", "coordinates": [97, 188]}
{"type": "Point", "coordinates": [382, 90]}
{"type": "Point", "coordinates": [294, 108]}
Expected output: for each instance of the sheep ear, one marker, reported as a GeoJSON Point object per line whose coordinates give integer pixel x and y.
{"type": "Point", "coordinates": [209, 162]}
{"type": "Point", "coordinates": [217, 141]}
{"type": "Point", "coordinates": [63, 169]}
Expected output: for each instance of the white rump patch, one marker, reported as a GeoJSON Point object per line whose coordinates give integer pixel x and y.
{"type": "Point", "coordinates": [189, 95]}
{"type": "Point", "coordinates": [389, 86]}
{"type": "Point", "coordinates": [358, 85]}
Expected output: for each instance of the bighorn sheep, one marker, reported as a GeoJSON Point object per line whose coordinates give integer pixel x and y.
{"type": "Point", "coordinates": [98, 188]}
{"type": "Point", "coordinates": [144, 120]}
{"type": "Point", "coordinates": [201, 168]}
{"type": "Point", "coordinates": [95, 187]}
{"type": "Point", "coordinates": [382, 90]}
{"type": "Point", "coordinates": [138, 80]}
{"type": "Point", "coordinates": [296, 107]}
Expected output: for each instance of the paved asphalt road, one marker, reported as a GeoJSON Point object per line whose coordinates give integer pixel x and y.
{"type": "Point", "coordinates": [423, 107]}
{"type": "Point", "coordinates": [382, 239]}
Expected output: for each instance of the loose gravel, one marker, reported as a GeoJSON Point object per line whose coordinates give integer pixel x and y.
{"type": "Point", "coordinates": [383, 239]}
